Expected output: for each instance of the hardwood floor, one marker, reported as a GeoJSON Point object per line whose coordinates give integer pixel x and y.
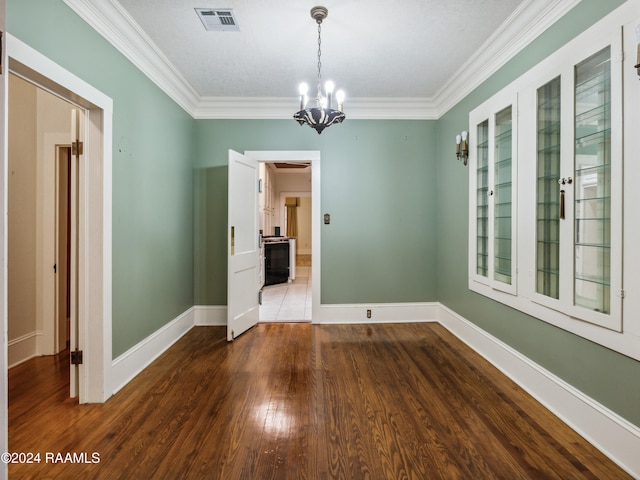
{"type": "Point", "coordinates": [300, 401]}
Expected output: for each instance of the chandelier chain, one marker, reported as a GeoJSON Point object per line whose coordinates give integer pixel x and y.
{"type": "Point", "coordinates": [323, 115]}
{"type": "Point", "coordinates": [319, 99]}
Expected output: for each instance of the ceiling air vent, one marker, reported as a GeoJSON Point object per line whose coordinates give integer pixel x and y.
{"type": "Point", "coordinates": [218, 19]}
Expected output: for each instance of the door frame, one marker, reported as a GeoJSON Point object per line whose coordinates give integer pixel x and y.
{"type": "Point", "coordinates": [303, 156]}
{"type": "Point", "coordinates": [95, 261]}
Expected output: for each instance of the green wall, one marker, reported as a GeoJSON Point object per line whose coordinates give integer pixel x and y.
{"type": "Point", "coordinates": [610, 378]}
{"type": "Point", "coordinates": [397, 197]}
{"type": "Point", "coordinates": [152, 170]}
{"type": "Point", "coordinates": [378, 183]}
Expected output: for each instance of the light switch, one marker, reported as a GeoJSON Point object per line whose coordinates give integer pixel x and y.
{"type": "Point", "coordinates": [327, 219]}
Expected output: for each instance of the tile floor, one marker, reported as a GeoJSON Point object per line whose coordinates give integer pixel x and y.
{"type": "Point", "coordinates": [288, 302]}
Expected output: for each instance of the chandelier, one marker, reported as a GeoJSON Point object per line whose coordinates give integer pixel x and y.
{"type": "Point", "coordinates": [322, 116]}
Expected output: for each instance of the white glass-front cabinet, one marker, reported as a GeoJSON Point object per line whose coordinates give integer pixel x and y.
{"type": "Point", "coordinates": [561, 126]}
{"type": "Point", "coordinates": [492, 179]}
{"type": "Point", "coordinates": [578, 189]}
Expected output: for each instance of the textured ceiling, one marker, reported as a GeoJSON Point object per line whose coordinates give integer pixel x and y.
{"type": "Point", "coordinates": [371, 49]}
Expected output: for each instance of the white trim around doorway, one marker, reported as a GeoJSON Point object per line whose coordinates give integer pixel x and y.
{"type": "Point", "coordinates": [95, 290]}
{"type": "Point", "coordinates": [313, 156]}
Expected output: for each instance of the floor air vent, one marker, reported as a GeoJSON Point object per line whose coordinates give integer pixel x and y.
{"type": "Point", "coordinates": [218, 19]}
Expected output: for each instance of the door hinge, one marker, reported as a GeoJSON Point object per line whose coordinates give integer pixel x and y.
{"type": "Point", "coordinates": [259, 297]}
{"type": "Point", "coordinates": [77, 148]}
{"type": "Point", "coordinates": [55, 268]}
{"type": "Point", "coordinates": [76, 357]}
{"type": "Point", "coordinates": [621, 293]}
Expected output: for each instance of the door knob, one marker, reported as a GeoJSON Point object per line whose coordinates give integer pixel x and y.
{"type": "Point", "coordinates": [565, 181]}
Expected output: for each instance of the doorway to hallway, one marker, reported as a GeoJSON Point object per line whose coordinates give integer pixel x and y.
{"type": "Point", "coordinates": [285, 211]}
{"type": "Point", "coordinates": [310, 265]}
{"type": "Point", "coordinates": [43, 204]}
{"type": "Point", "coordinates": [92, 122]}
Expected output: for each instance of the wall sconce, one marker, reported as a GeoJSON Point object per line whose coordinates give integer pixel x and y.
{"type": "Point", "coordinates": [462, 147]}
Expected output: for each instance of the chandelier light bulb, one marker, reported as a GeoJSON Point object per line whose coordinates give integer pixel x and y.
{"type": "Point", "coordinates": [340, 98]}
{"type": "Point", "coordinates": [303, 89]}
{"type": "Point", "coordinates": [329, 86]}
{"type": "Point", "coordinates": [464, 136]}
{"type": "Point", "coordinates": [458, 139]}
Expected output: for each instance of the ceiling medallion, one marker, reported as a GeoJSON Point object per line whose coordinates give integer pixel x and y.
{"type": "Point", "coordinates": [322, 116]}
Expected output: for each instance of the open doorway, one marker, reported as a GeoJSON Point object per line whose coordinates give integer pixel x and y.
{"type": "Point", "coordinates": [311, 158]}
{"type": "Point", "coordinates": [41, 209]}
{"type": "Point", "coordinates": [284, 212]}
{"type": "Point", "coordinates": [92, 120]}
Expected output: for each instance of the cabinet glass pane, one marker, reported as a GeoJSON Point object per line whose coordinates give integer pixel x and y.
{"type": "Point", "coordinates": [548, 190]}
{"type": "Point", "coordinates": [592, 182]}
{"type": "Point", "coordinates": [502, 197]}
{"type": "Point", "coordinates": [482, 185]}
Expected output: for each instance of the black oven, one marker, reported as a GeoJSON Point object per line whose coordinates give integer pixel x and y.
{"type": "Point", "coordinates": [276, 262]}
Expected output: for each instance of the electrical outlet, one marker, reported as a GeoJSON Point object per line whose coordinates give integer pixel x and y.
{"type": "Point", "coordinates": [368, 313]}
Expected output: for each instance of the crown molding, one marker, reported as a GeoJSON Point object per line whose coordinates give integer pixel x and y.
{"type": "Point", "coordinates": [284, 108]}
{"type": "Point", "coordinates": [400, 108]}
{"type": "Point", "coordinates": [113, 22]}
{"type": "Point", "coordinates": [522, 27]}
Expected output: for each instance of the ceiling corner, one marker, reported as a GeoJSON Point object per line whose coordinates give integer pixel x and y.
{"type": "Point", "coordinates": [521, 28]}
{"type": "Point", "coordinates": [111, 21]}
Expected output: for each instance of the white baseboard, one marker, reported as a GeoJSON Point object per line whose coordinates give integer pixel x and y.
{"type": "Point", "coordinates": [380, 313]}
{"type": "Point", "coordinates": [613, 435]}
{"type": "Point", "coordinates": [216, 315]}
{"type": "Point", "coordinates": [137, 358]}
{"type": "Point", "coordinates": [210, 316]}
{"type": "Point", "coordinates": [23, 348]}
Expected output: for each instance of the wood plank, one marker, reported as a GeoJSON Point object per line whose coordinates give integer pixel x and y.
{"type": "Point", "coordinates": [301, 401]}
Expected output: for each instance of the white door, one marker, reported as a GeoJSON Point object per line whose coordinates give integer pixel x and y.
{"type": "Point", "coordinates": [243, 247]}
